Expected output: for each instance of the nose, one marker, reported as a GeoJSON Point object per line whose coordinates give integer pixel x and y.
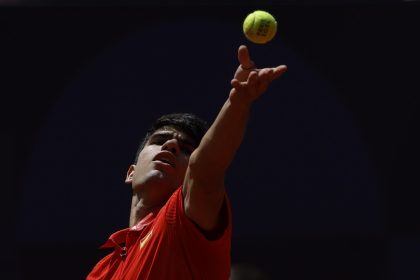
{"type": "Point", "coordinates": [171, 145]}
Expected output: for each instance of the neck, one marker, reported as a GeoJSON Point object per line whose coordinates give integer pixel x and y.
{"type": "Point", "coordinates": [139, 209]}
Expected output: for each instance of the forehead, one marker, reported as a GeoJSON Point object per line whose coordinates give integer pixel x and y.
{"type": "Point", "coordinates": [172, 132]}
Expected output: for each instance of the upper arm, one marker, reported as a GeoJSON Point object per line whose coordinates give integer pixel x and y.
{"type": "Point", "coordinates": [204, 196]}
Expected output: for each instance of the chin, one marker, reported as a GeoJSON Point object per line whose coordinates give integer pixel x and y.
{"type": "Point", "coordinates": [157, 180]}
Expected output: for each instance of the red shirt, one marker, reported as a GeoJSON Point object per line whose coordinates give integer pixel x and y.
{"type": "Point", "coordinates": [165, 245]}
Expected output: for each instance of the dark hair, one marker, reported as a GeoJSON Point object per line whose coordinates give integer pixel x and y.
{"type": "Point", "coordinates": [188, 123]}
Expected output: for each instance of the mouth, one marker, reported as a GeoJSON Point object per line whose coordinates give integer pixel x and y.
{"type": "Point", "coordinates": [166, 158]}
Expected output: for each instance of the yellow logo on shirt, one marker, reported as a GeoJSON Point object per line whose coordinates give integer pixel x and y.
{"type": "Point", "coordinates": [146, 238]}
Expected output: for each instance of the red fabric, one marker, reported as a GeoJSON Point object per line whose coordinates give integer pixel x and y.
{"type": "Point", "coordinates": [165, 245]}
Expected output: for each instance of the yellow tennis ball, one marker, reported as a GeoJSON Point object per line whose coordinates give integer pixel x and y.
{"type": "Point", "coordinates": [260, 27]}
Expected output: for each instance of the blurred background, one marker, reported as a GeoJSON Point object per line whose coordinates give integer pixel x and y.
{"type": "Point", "coordinates": [325, 184]}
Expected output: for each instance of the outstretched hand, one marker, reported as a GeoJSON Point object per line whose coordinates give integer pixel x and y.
{"type": "Point", "coordinates": [249, 83]}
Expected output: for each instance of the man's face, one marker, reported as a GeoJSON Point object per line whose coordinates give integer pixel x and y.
{"type": "Point", "coordinates": [161, 165]}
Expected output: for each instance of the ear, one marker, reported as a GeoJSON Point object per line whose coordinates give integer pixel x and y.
{"type": "Point", "coordinates": [130, 174]}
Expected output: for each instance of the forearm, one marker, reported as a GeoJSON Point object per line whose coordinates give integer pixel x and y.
{"type": "Point", "coordinates": [219, 145]}
{"type": "Point", "coordinates": [203, 187]}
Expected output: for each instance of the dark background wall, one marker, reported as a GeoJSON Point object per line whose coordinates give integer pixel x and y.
{"type": "Point", "coordinates": [324, 185]}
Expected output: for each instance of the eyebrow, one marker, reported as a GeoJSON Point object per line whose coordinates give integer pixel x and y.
{"type": "Point", "coordinates": [168, 134]}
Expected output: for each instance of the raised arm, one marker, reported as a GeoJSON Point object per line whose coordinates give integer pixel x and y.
{"type": "Point", "coordinates": [204, 181]}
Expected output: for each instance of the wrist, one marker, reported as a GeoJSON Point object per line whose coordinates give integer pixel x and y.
{"type": "Point", "coordinates": [239, 101]}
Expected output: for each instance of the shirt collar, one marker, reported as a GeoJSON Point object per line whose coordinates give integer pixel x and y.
{"type": "Point", "coordinates": [119, 237]}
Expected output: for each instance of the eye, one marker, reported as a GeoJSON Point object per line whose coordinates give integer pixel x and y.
{"type": "Point", "coordinates": [158, 140]}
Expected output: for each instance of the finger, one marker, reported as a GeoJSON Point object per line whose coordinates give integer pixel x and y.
{"type": "Point", "coordinates": [239, 86]}
{"type": "Point", "coordinates": [265, 74]}
{"type": "Point", "coordinates": [236, 84]}
{"type": "Point", "coordinates": [278, 71]}
{"type": "Point", "coordinates": [252, 78]}
{"type": "Point", "coordinates": [244, 58]}
{"type": "Point", "coordinates": [264, 79]}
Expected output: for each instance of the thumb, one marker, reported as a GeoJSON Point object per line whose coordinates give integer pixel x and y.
{"type": "Point", "coordinates": [244, 58]}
